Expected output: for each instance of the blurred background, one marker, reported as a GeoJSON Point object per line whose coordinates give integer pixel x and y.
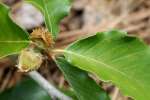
{"type": "Point", "coordinates": [86, 18]}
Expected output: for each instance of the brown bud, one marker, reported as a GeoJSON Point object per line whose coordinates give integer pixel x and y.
{"type": "Point", "coordinates": [42, 37]}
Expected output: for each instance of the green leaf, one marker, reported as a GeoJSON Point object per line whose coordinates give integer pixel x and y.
{"type": "Point", "coordinates": [84, 86]}
{"type": "Point", "coordinates": [114, 56]}
{"type": "Point", "coordinates": [12, 38]}
{"type": "Point", "coordinates": [25, 90]}
{"type": "Point", "coordinates": [69, 92]}
{"type": "Point", "coordinates": [54, 11]}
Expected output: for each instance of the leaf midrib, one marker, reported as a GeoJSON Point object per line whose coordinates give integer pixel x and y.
{"type": "Point", "coordinates": [49, 16]}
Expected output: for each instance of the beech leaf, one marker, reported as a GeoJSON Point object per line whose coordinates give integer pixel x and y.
{"type": "Point", "coordinates": [54, 11]}
{"type": "Point", "coordinates": [84, 86]}
{"type": "Point", "coordinates": [116, 57]}
{"type": "Point", "coordinates": [12, 38]}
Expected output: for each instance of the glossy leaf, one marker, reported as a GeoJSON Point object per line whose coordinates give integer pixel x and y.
{"type": "Point", "coordinates": [12, 38]}
{"type": "Point", "coordinates": [28, 89]}
{"type": "Point", "coordinates": [84, 86]}
{"type": "Point", "coordinates": [54, 11]}
{"type": "Point", "coordinates": [114, 56]}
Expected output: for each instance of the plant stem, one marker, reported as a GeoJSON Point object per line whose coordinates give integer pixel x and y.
{"type": "Point", "coordinates": [52, 91]}
{"type": "Point", "coordinates": [116, 92]}
{"type": "Point", "coordinates": [53, 53]}
{"type": "Point", "coordinates": [58, 51]}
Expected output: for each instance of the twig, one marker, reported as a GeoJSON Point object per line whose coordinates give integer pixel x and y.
{"type": "Point", "coordinates": [6, 81]}
{"type": "Point", "coordinates": [47, 86]}
{"type": "Point", "coordinates": [116, 92]}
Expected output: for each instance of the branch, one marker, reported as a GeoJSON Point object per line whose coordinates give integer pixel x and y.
{"type": "Point", "coordinates": [52, 91]}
